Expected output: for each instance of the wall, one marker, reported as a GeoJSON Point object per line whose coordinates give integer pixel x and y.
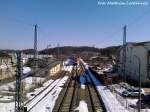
{"type": "Point", "coordinates": [132, 69]}
{"type": "Point", "coordinates": [55, 69]}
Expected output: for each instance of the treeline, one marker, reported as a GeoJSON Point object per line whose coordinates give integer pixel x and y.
{"type": "Point", "coordinates": [68, 50]}
{"type": "Point", "coordinates": [113, 50]}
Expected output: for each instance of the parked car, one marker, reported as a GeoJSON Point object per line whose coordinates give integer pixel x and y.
{"type": "Point", "coordinates": [145, 102]}
{"type": "Point", "coordinates": [134, 92]}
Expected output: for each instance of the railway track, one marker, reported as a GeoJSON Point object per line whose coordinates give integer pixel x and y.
{"type": "Point", "coordinates": [96, 103]}
{"type": "Point", "coordinates": [72, 94]}
{"type": "Point", "coordinates": [67, 99]}
{"type": "Point", "coordinates": [93, 99]}
{"type": "Point", "coordinates": [53, 84]}
{"type": "Point", "coordinates": [40, 92]}
{"type": "Point", "coordinates": [76, 95]}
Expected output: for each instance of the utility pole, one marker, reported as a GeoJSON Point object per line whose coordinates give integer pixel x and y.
{"type": "Point", "coordinates": [124, 52]}
{"type": "Point", "coordinates": [48, 46]}
{"type": "Point", "coordinates": [18, 94]}
{"type": "Point", "coordinates": [124, 57]}
{"type": "Point", "coordinates": [35, 53]}
{"type": "Point", "coordinates": [35, 47]}
{"type": "Point", "coordinates": [139, 73]}
{"type": "Point", "coordinates": [58, 50]}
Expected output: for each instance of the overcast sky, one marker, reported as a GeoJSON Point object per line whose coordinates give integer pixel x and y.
{"type": "Point", "coordinates": [71, 22]}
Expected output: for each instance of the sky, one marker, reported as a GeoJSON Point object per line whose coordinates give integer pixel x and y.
{"type": "Point", "coordinates": [71, 23]}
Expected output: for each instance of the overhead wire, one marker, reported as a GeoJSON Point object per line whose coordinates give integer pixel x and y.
{"type": "Point", "coordinates": [129, 24]}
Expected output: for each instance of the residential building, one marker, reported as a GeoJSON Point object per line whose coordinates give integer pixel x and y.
{"type": "Point", "coordinates": [5, 66]}
{"type": "Point", "coordinates": [5, 59]}
{"type": "Point", "coordinates": [136, 53]}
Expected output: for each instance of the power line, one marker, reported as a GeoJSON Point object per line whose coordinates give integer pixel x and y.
{"type": "Point", "coordinates": [20, 21]}
{"type": "Point", "coordinates": [138, 18]}
{"type": "Point", "coordinates": [129, 24]}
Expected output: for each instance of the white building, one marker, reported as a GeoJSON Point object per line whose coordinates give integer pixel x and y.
{"type": "Point", "coordinates": [27, 56]}
{"type": "Point", "coordinates": [136, 53]}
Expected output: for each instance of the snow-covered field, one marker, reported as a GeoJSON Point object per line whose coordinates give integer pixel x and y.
{"type": "Point", "coordinates": [29, 81]}
{"type": "Point", "coordinates": [51, 97]}
{"type": "Point", "coordinates": [48, 102]}
{"type": "Point", "coordinates": [7, 107]}
{"type": "Point", "coordinates": [38, 90]}
{"type": "Point", "coordinates": [9, 87]}
{"type": "Point", "coordinates": [7, 91]}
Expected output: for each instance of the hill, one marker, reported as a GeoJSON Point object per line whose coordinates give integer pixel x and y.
{"type": "Point", "coordinates": [67, 50]}
{"type": "Point", "coordinates": [71, 50]}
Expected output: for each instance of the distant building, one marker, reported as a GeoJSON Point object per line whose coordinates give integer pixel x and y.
{"type": "Point", "coordinates": [26, 57]}
{"type": "Point", "coordinates": [135, 51]}
{"type": "Point", "coordinates": [5, 60]}
{"type": "Point", "coordinates": [6, 69]}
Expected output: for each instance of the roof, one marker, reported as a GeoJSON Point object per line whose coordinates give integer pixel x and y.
{"type": "Point", "coordinates": [4, 55]}
{"type": "Point", "coordinates": [138, 43]}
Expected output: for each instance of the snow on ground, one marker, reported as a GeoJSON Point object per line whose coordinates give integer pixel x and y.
{"type": "Point", "coordinates": [38, 90]}
{"type": "Point", "coordinates": [128, 102]}
{"type": "Point", "coordinates": [7, 86]}
{"type": "Point", "coordinates": [48, 102]}
{"type": "Point", "coordinates": [145, 110]}
{"type": "Point", "coordinates": [50, 98]}
{"type": "Point", "coordinates": [35, 92]}
{"type": "Point", "coordinates": [35, 100]}
{"type": "Point", "coordinates": [7, 107]}
{"type": "Point", "coordinates": [47, 83]}
{"type": "Point", "coordinates": [26, 70]}
{"type": "Point", "coordinates": [114, 102]}
{"type": "Point", "coordinates": [10, 87]}
{"type": "Point", "coordinates": [82, 86]}
{"type": "Point", "coordinates": [67, 65]}
{"type": "Point", "coordinates": [82, 106]}
{"type": "Point", "coordinates": [67, 68]}
{"type": "Point", "coordinates": [6, 98]}
{"type": "Point", "coordinates": [110, 102]}
{"type": "Point", "coordinates": [28, 81]}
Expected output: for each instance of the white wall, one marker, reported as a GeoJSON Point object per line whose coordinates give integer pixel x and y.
{"type": "Point", "coordinates": [132, 63]}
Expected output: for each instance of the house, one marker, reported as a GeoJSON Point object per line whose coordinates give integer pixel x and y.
{"type": "Point", "coordinates": [5, 66]}
{"type": "Point", "coordinates": [136, 54]}
{"type": "Point", "coordinates": [5, 60]}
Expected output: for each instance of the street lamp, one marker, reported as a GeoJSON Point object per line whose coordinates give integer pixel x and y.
{"type": "Point", "coordinates": [139, 67]}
